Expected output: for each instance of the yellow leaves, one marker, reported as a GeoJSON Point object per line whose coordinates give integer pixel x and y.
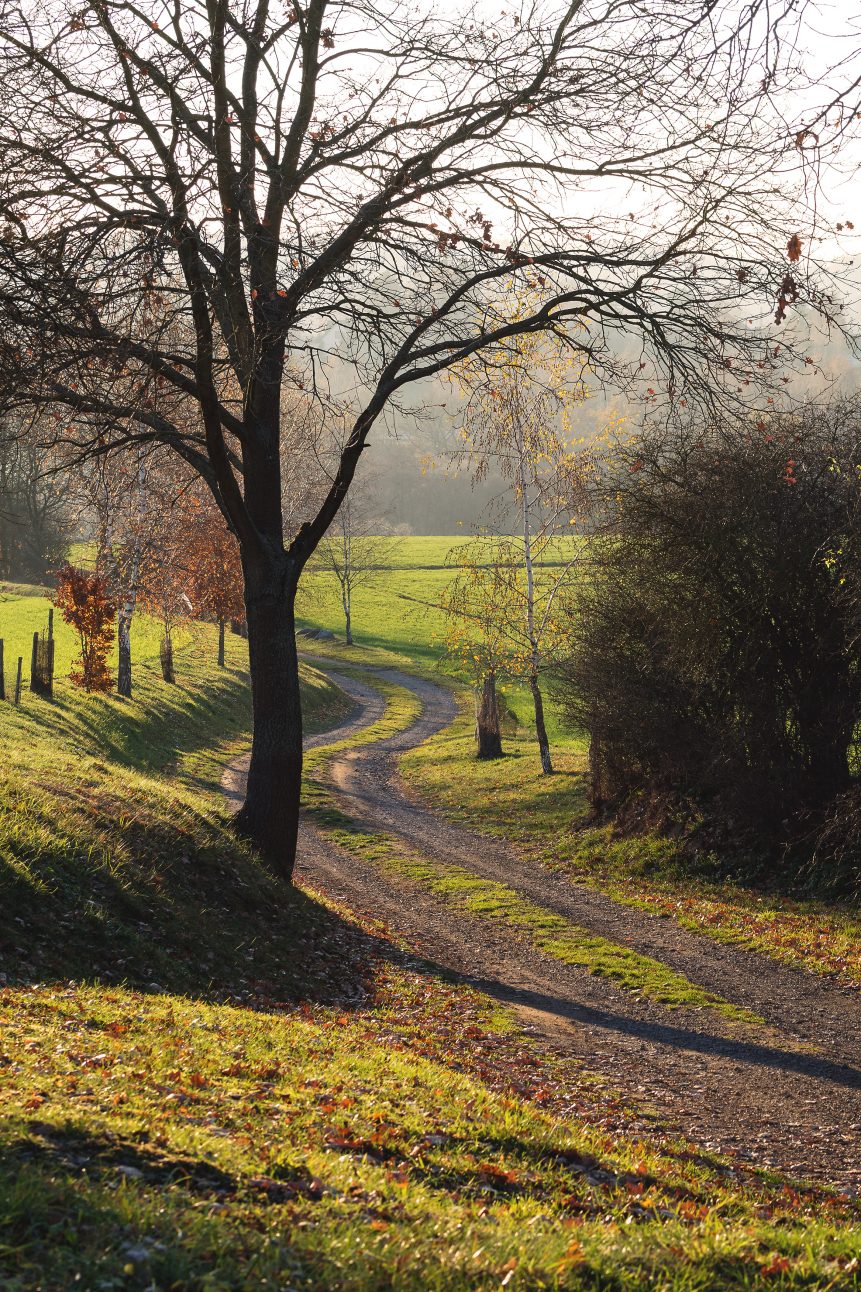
{"type": "Point", "coordinates": [573, 1256]}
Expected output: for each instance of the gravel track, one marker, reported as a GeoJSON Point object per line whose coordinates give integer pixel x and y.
{"type": "Point", "coordinates": [789, 1098]}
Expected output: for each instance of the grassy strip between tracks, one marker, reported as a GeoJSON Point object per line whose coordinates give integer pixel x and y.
{"type": "Point", "coordinates": [551, 933]}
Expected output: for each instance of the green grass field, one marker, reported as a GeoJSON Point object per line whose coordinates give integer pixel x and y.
{"type": "Point", "coordinates": [21, 616]}
{"type": "Point", "coordinates": [399, 611]}
{"type": "Point", "coordinates": [428, 552]}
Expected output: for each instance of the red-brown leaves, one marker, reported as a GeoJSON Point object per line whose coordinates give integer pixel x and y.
{"type": "Point", "coordinates": [793, 248]}
{"type": "Point", "coordinates": [83, 601]}
{"type": "Point", "coordinates": [788, 295]}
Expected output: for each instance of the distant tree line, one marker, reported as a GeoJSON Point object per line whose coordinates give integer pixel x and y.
{"type": "Point", "coordinates": [35, 517]}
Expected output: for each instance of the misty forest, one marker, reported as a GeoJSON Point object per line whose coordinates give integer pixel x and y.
{"type": "Point", "coordinates": [430, 645]}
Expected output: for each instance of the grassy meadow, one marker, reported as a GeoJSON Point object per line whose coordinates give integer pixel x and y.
{"type": "Point", "coordinates": [398, 611]}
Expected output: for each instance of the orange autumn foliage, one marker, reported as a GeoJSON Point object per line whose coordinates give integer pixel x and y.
{"type": "Point", "coordinates": [83, 601]}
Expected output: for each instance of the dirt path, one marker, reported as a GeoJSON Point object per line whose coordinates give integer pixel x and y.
{"type": "Point", "coordinates": [368, 705]}
{"type": "Point", "coordinates": [791, 1099]}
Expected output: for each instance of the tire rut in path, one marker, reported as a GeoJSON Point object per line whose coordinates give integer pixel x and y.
{"type": "Point", "coordinates": [774, 1105]}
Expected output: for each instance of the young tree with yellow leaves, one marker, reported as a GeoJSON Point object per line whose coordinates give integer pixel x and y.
{"type": "Point", "coordinates": [476, 639]}
{"type": "Point", "coordinates": [517, 420]}
{"type": "Point", "coordinates": [503, 619]}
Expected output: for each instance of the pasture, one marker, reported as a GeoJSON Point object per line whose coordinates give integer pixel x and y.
{"type": "Point", "coordinates": [399, 611]}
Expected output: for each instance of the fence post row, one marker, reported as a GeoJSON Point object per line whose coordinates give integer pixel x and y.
{"type": "Point", "coordinates": [18, 681]}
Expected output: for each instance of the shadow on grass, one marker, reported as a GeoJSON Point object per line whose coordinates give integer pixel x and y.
{"type": "Point", "coordinates": [152, 730]}
{"type": "Point", "coordinates": [98, 1212]}
{"type": "Point", "coordinates": [127, 881]}
{"type": "Point", "coordinates": [102, 1211]}
{"type": "Point", "coordinates": [241, 937]}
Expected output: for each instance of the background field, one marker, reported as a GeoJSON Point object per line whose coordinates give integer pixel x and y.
{"type": "Point", "coordinates": [428, 552]}
{"type": "Point", "coordinates": [398, 611]}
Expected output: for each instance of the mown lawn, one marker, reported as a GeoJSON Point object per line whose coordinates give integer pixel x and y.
{"type": "Point", "coordinates": [214, 1081]}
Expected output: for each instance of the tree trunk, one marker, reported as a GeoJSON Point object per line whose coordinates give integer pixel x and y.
{"type": "Point", "coordinates": [124, 649]}
{"type": "Point", "coordinates": [348, 623]}
{"type": "Point", "coordinates": [540, 727]}
{"type": "Point", "coordinates": [221, 643]}
{"type": "Point", "coordinates": [269, 817]}
{"type": "Point", "coordinates": [487, 721]}
{"type": "Point", "coordinates": [127, 609]}
{"type": "Point", "coordinates": [166, 655]}
{"type": "Point", "coordinates": [598, 792]}
{"type": "Point", "coordinates": [526, 519]}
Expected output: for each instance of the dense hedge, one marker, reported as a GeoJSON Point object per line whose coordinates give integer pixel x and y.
{"type": "Point", "coordinates": [717, 655]}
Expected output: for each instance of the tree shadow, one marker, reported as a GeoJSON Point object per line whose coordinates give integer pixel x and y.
{"type": "Point", "coordinates": [675, 1037]}
{"type": "Point", "coordinates": [116, 885]}
{"type": "Point", "coordinates": [96, 1210]}
{"type": "Point", "coordinates": [151, 731]}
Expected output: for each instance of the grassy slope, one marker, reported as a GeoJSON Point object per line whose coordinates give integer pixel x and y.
{"type": "Point", "coordinates": [98, 850]}
{"type": "Point", "coordinates": [212, 1081]}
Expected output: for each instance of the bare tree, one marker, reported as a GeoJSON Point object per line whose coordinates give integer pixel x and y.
{"type": "Point", "coordinates": [476, 638]}
{"type": "Point", "coordinates": [353, 551]}
{"type": "Point", "coordinates": [517, 419]}
{"type": "Point", "coordinates": [203, 203]}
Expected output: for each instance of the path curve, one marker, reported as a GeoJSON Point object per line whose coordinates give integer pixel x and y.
{"type": "Point", "coordinates": [789, 1100]}
{"type": "Point", "coordinates": [368, 706]}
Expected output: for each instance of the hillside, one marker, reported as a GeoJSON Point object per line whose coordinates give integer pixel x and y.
{"type": "Point", "coordinates": [112, 824]}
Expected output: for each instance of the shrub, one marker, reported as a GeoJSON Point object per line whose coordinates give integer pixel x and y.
{"type": "Point", "coordinates": [83, 602]}
{"type": "Point", "coordinates": [717, 658]}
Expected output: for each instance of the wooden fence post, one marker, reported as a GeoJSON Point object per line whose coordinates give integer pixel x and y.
{"type": "Point", "coordinates": [18, 681]}
{"type": "Point", "coordinates": [49, 663]}
{"type": "Point", "coordinates": [2, 673]}
{"type": "Point", "coordinates": [42, 669]}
